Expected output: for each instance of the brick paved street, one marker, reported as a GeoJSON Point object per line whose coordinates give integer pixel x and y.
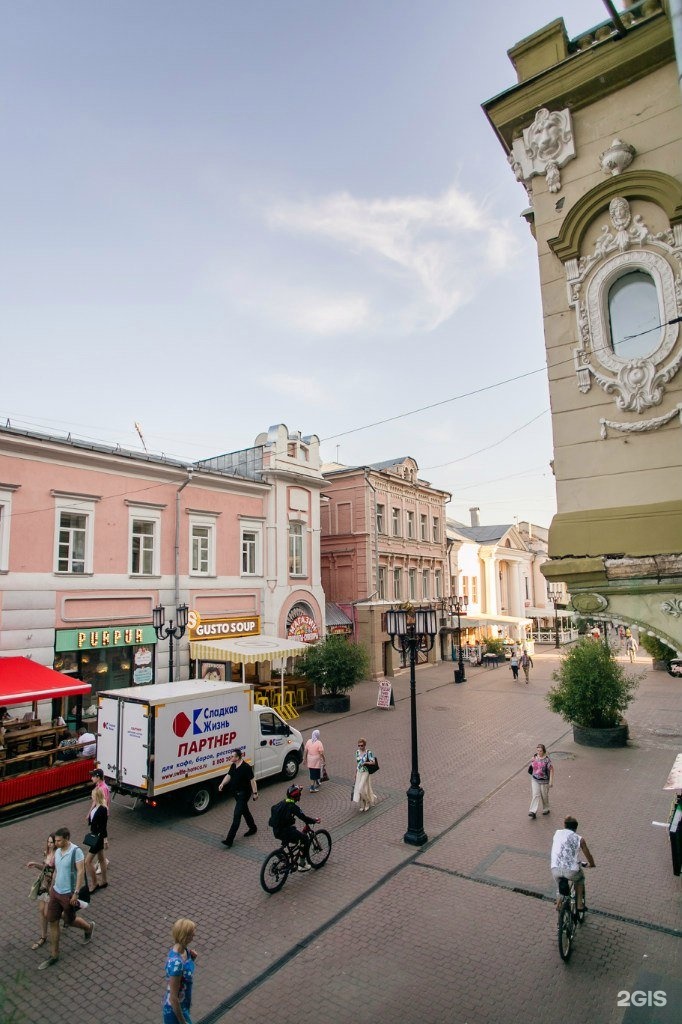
{"type": "Point", "coordinates": [461, 931]}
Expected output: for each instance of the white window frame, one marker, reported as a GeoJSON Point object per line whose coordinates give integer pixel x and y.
{"type": "Point", "coordinates": [80, 507]}
{"type": "Point", "coordinates": [145, 514]}
{"type": "Point", "coordinates": [425, 584]}
{"type": "Point", "coordinates": [474, 589]}
{"type": "Point", "coordinates": [435, 527]}
{"type": "Point", "coordinates": [297, 529]}
{"type": "Point", "coordinates": [395, 521]}
{"type": "Point", "coordinates": [410, 534]}
{"type": "Point", "coordinates": [397, 584]}
{"type": "Point", "coordinates": [204, 522]}
{"type": "Point", "coordinates": [5, 525]}
{"type": "Point", "coordinates": [438, 584]}
{"type": "Point", "coordinates": [423, 526]}
{"type": "Point", "coordinates": [412, 584]}
{"type": "Point", "coordinates": [255, 527]}
{"type": "Point", "coordinates": [381, 518]}
{"type": "Point", "coordinates": [381, 583]}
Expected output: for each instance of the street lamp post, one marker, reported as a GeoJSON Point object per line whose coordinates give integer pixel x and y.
{"type": "Point", "coordinates": [554, 596]}
{"type": "Point", "coordinates": [175, 632]}
{"type": "Point", "coordinates": [410, 630]}
{"type": "Point", "coordinates": [460, 608]}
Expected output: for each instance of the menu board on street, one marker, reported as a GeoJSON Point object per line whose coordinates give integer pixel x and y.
{"type": "Point", "coordinates": [385, 698]}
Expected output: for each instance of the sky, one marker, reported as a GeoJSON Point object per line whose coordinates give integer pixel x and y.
{"type": "Point", "coordinates": [220, 215]}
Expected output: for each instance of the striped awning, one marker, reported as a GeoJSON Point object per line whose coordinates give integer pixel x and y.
{"type": "Point", "coordinates": [247, 650]}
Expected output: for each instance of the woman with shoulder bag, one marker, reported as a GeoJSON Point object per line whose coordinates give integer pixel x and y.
{"type": "Point", "coordinates": [97, 820]}
{"type": "Point", "coordinates": [314, 760]}
{"type": "Point", "coordinates": [363, 794]}
{"type": "Point", "coordinates": [44, 881]}
{"type": "Point", "coordinates": [541, 771]}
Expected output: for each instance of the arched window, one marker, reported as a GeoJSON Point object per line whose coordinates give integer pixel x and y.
{"type": "Point", "coordinates": [634, 315]}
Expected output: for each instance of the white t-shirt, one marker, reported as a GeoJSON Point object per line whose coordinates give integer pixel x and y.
{"type": "Point", "coordinates": [90, 742]}
{"type": "Point", "coordinates": [565, 850]}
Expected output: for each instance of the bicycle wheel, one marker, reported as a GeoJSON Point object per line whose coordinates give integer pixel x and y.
{"type": "Point", "coordinates": [565, 931]}
{"type": "Point", "coordinates": [319, 848]}
{"type": "Point", "coordinates": [274, 872]}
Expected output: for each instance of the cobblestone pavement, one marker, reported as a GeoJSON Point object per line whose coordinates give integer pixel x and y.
{"type": "Point", "coordinates": [460, 931]}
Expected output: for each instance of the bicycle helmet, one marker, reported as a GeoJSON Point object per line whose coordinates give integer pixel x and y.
{"type": "Point", "coordinates": [294, 793]}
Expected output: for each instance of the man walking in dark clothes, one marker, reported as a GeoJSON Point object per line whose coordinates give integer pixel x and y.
{"type": "Point", "coordinates": [242, 784]}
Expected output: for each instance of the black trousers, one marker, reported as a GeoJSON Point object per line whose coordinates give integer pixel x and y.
{"type": "Point", "coordinates": [241, 810]}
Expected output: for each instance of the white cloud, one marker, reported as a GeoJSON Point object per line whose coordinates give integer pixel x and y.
{"type": "Point", "coordinates": [441, 250]}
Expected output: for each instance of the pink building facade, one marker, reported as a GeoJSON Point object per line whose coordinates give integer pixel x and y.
{"type": "Point", "coordinates": [92, 538]}
{"type": "Point", "coordinates": [383, 544]}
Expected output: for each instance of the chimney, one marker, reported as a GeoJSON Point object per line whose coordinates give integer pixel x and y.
{"type": "Point", "coordinates": [475, 520]}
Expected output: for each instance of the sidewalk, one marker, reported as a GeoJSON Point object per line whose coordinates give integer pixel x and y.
{"type": "Point", "coordinates": [461, 931]}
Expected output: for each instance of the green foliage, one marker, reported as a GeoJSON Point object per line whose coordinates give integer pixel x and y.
{"type": "Point", "coordinates": [336, 664]}
{"type": "Point", "coordinates": [656, 648]}
{"type": "Point", "coordinates": [494, 645]}
{"type": "Point", "coordinates": [592, 690]}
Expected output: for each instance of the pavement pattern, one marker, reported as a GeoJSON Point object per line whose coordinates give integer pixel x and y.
{"type": "Point", "coordinates": [459, 931]}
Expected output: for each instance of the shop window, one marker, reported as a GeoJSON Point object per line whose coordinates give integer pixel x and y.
{"type": "Point", "coordinates": [296, 550]}
{"type": "Point", "coordinates": [634, 315]}
{"type": "Point", "coordinates": [74, 535]}
{"type": "Point", "coordinates": [252, 559]}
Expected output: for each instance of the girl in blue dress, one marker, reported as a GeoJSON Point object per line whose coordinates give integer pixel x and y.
{"type": "Point", "coordinates": [180, 965]}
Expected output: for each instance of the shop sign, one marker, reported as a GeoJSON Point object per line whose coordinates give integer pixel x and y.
{"type": "Point", "coordinates": [385, 695]}
{"type": "Point", "coordinates": [304, 628]}
{"type": "Point", "coordinates": [102, 637]}
{"type": "Point", "coordinates": [234, 625]}
{"type": "Point", "coordinates": [343, 630]}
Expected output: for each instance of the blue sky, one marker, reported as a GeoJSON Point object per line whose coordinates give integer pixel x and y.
{"type": "Point", "coordinates": [222, 215]}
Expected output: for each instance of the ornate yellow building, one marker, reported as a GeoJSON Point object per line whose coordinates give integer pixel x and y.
{"type": "Point", "coordinates": [593, 132]}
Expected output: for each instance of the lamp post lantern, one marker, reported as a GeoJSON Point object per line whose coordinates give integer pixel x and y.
{"type": "Point", "coordinates": [410, 630]}
{"type": "Point", "coordinates": [459, 608]}
{"type": "Point", "coordinates": [555, 594]}
{"type": "Point", "coordinates": [175, 632]}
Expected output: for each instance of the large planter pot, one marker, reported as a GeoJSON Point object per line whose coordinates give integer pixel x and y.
{"type": "Point", "coordinates": [659, 666]}
{"type": "Point", "coordinates": [587, 737]}
{"type": "Point", "coordinates": [330, 704]}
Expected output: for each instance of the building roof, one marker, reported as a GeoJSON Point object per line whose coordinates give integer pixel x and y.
{"type": "Point", "coordinates": [335, 616]}
{"type": "Point", "coordinates": [480, 534]}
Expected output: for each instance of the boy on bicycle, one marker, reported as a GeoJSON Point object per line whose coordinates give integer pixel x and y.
{"type": "Point", "coordinates": [282, 824]}
{"type": "Point", "coordinates": [567, 847]}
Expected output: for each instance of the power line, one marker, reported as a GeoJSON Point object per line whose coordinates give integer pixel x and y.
{"type": "Point", "coordinates": [463, 458]}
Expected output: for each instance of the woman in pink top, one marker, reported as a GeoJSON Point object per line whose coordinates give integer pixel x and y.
{"type": "Point", "coordinates": [313, 756]}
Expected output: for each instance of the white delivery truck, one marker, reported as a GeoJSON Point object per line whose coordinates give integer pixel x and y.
{"type": "Point", "coordinates": [175, 739]}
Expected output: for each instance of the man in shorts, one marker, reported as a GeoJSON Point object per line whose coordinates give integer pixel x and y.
{"type": "Point", "coordinates": [69, 866]}
{"type": "Point", "coordinates": [567, 850]}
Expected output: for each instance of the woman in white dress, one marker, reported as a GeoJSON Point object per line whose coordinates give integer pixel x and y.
{"type": "Point", "coordinates": [363, 794]}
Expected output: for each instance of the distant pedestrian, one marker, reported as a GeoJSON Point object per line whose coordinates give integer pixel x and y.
{"type": "Point", "coordinates": [542, 777]}
{"type": "Point", "coordinates": [242, 783]}
{"type": "Point", "coordinates": [363, 794]}
{"type": "Point", "coordinates": [97, 823]}
{"type": "Point", "coordinates": [631, 648]}
{"type": "Point", "coordinates": [46, 867]}
{"type": "Point", "coordinates": [526, 663]}
{"type": "Point", "coordinates": [97, 777]}
{"type": "Point", "coordinates": [314, 759]}
{"type": "Point", "coordinates": [66, 883]}
{"type": "Point", "coordinates": [180, 966]}
{"type": "Point", "coordinates": [514, 665]}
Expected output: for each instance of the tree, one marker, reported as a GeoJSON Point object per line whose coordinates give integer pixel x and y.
{"type": "Point", "coordinates": [592, 690]}
{"type": "Point", "coordinates": [335, 664]}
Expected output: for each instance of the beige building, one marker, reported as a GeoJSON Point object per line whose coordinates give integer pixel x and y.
{"type": "Point", "coordinates": [593, 132]}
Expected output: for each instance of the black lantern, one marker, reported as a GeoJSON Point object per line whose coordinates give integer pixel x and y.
{"type": "Point", "coordinates": [175, 632]}
{"type": "Point", "coordinates": [459, 608]}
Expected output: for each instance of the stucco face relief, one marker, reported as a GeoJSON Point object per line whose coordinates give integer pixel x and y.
{"type": "Point", "coordinates": [547, 145]}
{"type": "Point", "coordinates": [625, 294]}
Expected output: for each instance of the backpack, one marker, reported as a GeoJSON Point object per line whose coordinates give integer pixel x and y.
{"type": "Point", "coordinates": [280, 816]}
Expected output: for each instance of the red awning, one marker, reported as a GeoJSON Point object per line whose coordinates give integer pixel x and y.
{"type": "Point", "coordinates": [23, 680]}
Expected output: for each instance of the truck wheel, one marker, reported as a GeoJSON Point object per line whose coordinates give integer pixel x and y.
{"type": "Point", "coordinates": [290, 766]}
{"type": "Point", "coordinates": [199, 798]}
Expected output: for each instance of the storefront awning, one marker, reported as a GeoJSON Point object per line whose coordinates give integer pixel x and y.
{"type": "Point", "coordinates": [247, 650]}
{"type": "Point", "coordinates": [481, 619]}
{"type": "Point", "coordinates": [335, 616]}
{"type": "Point", "coordinates": [23, 680]}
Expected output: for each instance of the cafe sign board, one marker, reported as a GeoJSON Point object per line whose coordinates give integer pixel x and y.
{"type": "Point", "coordinates": [304, 628]}
{"type": "Point", "coordinates": [101, 637]}
{"type": "Point", "coordinates": [221, 628]}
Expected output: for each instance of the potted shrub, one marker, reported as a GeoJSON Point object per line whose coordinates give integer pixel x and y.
{"type": "Point", "coordinates": [334, 665]}
{"type": "Point", "coordinates": [660, 653]}
{"type": "Point", "coordinates": [592, 692]}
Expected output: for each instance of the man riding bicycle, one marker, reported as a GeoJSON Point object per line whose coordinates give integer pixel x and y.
{"type": "Point", "coordinates": [282, 824]}
{"type": "Point", "coordinates": [567, 847]}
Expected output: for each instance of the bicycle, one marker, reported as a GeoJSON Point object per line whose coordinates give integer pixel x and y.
{"type": "Point", "coordinates": [569, 916]}
{"type": "Point", "coordinates": [279, 864]}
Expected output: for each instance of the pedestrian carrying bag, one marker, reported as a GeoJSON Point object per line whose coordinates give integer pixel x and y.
{"type": "Point", "coordinates": [279, 815]}
{"type": "Point", "coordinates": [324, 776]}
{"type": "Point", "coordinates": [530, 769]}
{"type": "Point", "coordinates": [36, 887]}
{"type": "Point", "coordinates": [372, 766]}
{"type": "Point", "coordinates": [90, 839]}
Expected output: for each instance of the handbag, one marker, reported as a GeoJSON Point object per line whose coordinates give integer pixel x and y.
{"type": "Point", "coordinates": [90, 839]}
{"type": "Point", "coordinates": [372, 766]}
{"type": "Point", "coordinates": [530, 769]}
{"type": "Point", "coordinates": [35, 888]}
{"type": "Point", "coordinates": [84, 893]}
{"type": "Point", "coordinates": [324, 776]}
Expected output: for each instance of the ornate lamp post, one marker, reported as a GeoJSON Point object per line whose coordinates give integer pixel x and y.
{"type": "Point", "coordinates": [410, 630]}
{"type": "Point", "coordinates": [175, 632]}
{"type": "Point", "coordinates": [459, 608]}
{"type": "Point", "coordinates": [555, 593]}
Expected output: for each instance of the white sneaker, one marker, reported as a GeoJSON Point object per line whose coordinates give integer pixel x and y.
{"type": "Point", "coordinates": [303, 867]}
